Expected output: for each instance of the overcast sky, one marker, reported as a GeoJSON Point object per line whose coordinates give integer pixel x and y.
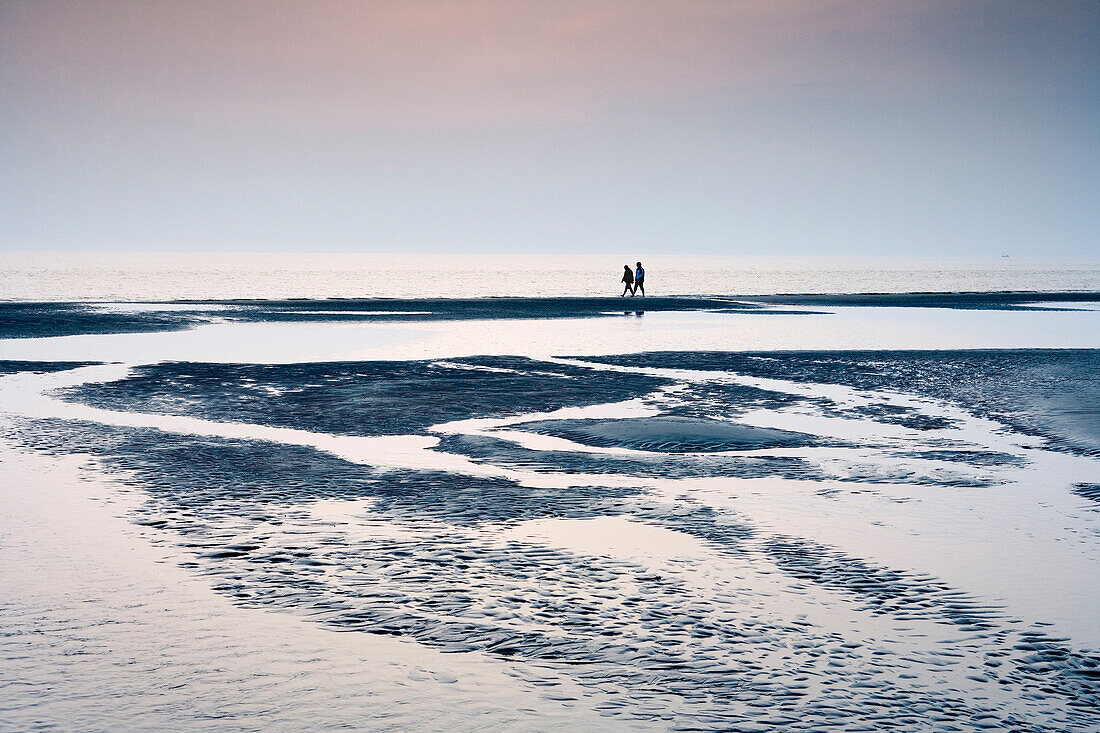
{"type": "Point", "coordinates": [734, 127]}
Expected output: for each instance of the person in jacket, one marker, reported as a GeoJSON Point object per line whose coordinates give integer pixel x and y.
{"type": "Point", "coordinates": [628, 278]}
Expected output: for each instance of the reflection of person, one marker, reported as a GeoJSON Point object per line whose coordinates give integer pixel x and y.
{"type": "Point", "coordinates": [628, 278]}
{"type": "Point", "coordinates": [639, 280]}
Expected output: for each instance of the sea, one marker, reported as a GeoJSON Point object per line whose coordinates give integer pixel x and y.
{"type": "Point", "coordinates": [392, 493]}
{"type": "Point", "coordinates": [143, 276]}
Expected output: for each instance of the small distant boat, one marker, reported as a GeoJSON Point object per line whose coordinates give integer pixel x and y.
{"type": "Point", "coordinates": [1004, 256]}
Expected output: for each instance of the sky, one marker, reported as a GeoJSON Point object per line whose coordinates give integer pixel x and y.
{"type": "Point", "coordinates": [756, 127]}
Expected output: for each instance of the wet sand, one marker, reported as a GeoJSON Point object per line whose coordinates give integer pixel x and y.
{"type": "Point", "coordinates": [547, 538]}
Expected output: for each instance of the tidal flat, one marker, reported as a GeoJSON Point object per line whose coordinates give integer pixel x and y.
{"type": "Point", "coordinates": [759, 513]}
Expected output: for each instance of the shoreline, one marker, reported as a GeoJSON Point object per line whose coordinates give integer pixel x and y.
{"type": "Point", "coordinates": [1070, 295]}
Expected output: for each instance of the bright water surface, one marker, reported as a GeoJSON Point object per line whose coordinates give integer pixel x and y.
{"type": "Point", "coordinates": [143, 276]}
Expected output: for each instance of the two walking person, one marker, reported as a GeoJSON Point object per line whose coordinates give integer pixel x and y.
{"type": "Point", "coordinates": [634, 281]}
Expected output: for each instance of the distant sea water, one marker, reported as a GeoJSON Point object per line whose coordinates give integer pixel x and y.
{"type": "Point", "coordinates": [56, 276]}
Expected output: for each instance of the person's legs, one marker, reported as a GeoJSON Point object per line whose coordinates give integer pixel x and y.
{"type": "Point", "coordinates": [626, 289]}
{"type": "Point", "coordinates": [639, 286]}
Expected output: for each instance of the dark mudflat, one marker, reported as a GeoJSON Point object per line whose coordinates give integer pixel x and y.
{"type": "Point", "coordinates": [31, 320]}
{"type": "Point", "coordinates": [670, 434]}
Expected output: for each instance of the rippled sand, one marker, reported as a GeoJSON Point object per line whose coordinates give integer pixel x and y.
{"type": "Point", "coordinates": [103, 629]}
{"type": "Point", "coordinates": [672, 539]}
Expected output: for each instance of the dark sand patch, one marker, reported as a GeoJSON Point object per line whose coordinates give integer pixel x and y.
{"type": "Point", "coordinates": [8, 366]}
{"type": "Point", "coordinates": [1088, 491]}
{"type": "Point", "coordinates": [667, 466]}
{"type": "Point", "coordinates": [670, 434]}
{"type": "Point", "coordinates": [961, 301]}
{"type": "Point", "coordinates": [40, 320]}
{"type": "Point", "coordinates": [361, 398]}
{"type": "Point", "coordinates": [1048, 393]}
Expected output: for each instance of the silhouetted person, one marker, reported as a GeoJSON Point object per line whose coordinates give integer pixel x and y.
{"type": "Point", "coordinates": [628, 278]}
{"type": "Point", "coordinates": [639, 280]}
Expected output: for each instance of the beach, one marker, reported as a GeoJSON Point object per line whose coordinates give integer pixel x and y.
{"type": "Point", "coordinates": [731, 513]}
